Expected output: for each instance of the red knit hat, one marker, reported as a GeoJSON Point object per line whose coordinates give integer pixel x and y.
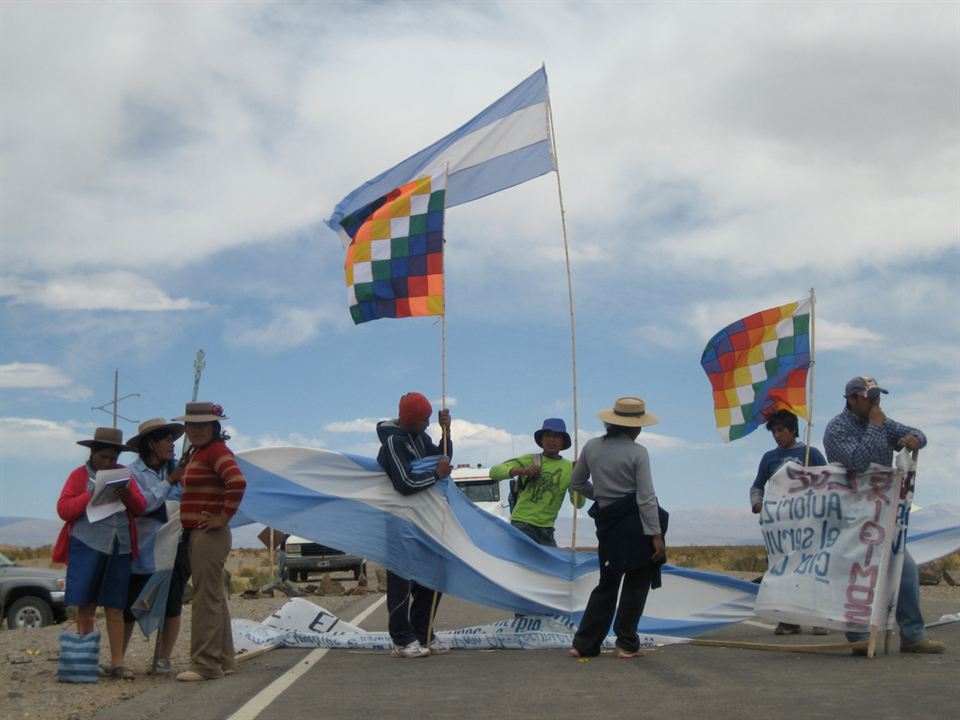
{"type": "Point", "coordinates": [414, 407]}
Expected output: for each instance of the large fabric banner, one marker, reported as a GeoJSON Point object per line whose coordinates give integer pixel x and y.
{"type": "Point", "coordinates": [835, 542]}
{"type": "Point", "coordinates": [443, 541]}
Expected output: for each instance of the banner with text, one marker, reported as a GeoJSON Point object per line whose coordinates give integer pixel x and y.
{"type": "Point", "coordinates": [834, 541]}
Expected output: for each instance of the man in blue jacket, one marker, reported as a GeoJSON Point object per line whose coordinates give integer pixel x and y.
{"type": "Point", "coordinates": [862, 434]}
{"type": "Point", "coordinates": [403, 441]}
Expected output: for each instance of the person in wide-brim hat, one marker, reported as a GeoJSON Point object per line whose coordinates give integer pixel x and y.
{"type": "Point", "coordinates": [154, 425]}
{"type": "Point", "coordinates": [614, 471]}
{"type": "Point", "coordinates": [628, 412]}
{"type": "Point", "coordinates": [539, 482]}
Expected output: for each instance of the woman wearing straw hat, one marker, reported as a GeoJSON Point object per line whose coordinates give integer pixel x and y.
{"type": "Point", "coordinates": [98, 554]}
{"type": "Point", "coordinates": [213, 486]}
{"type": "Point", "coordinates": [614, 471]}
{"type": "Point", "coordinates": [159, 480]}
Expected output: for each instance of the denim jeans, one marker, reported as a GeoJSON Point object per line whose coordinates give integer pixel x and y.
{"type": "Point", "coordinates": [909, 617]}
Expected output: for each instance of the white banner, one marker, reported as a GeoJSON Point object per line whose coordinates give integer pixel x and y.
{"type": "Point", "coordinates": [834, 542]}
{"type": "Point", "coordinates": [301, 623]}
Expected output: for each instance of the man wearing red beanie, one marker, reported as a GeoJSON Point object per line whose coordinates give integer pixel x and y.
{"type": "Point", "coordinates": [402, 441]}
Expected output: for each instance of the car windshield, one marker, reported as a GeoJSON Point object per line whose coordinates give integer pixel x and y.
{"type": "Point", "coordinates": [5, 561]}
{"type": "Point", "coordinates": [481, 492]}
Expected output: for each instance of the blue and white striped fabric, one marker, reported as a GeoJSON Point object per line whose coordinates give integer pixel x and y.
{"type": "Point", "coordinates": [505, 145]}
{"type": "Point", "coordinates": [442, 540]}
{"type": "Point", "coordinates": [933, 544]}
{"type": "Point", "coordinates": [79, 657]}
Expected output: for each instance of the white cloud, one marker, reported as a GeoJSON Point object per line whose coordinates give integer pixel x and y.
{"type": "Point", "coordinates": [117, 290]}
{"type": "Point", "coordinates": [364, 425]}
{"type": "Point", "coordinates": [31, 438]}
{"type": "Point", "coordinates": [40, 376]}
{"type": "Point", "coordinates": [32, 375]}
{"type": "Point", "coordinates": [840, 335]}
{"type": "Point", "coordinates": [290, 327]}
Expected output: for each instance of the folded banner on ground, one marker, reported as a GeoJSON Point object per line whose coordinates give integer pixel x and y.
{"type": "Point", "coordinates": [442, 540]}
{"type": "Point", "coordinates": [758, 365]}
{"type": "Point", "coordinates": [301, 623]}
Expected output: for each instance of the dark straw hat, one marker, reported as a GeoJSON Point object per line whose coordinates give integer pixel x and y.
{"type": "Point", "coordinates": [104, 436]}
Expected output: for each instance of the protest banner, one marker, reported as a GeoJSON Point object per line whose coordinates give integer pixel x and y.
{"type": "Point", "coordinates": [835, 541]}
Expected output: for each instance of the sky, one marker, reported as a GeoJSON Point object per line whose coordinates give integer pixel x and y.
{"type": "Point", "coordinates": [166, 168]}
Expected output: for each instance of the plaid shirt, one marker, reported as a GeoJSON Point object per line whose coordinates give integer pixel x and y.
{"type": "Point", "coordinates": [855, 443]}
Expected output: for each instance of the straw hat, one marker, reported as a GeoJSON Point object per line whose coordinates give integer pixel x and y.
{"type": "Point", "coordinates": [198, 412]}
{"type": "Point", "coordinates": [104, 436]}
{"type": "Point", "coordinates": [149, 426]}
{"type": "Point", "coordinates": [628, 412]}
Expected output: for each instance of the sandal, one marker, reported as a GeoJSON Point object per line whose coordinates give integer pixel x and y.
{"type": "Point", "coordinates": [122, 673]}
{"type": "Point", "coordinates": [103, 670]}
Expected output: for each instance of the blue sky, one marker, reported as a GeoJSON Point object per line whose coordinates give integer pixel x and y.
{"type": "Point", "coordinates": [165, 169]}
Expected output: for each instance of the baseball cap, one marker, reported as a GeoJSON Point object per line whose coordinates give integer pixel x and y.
{"type": "Point", "coordinates": [864, 386]}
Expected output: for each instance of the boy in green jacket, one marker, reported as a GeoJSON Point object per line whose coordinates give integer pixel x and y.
{"type": "Point", "coordinates": [541, 480]}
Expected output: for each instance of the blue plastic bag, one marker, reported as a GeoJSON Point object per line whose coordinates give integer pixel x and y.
{"type": "Point", "coordinates": [79, 657]}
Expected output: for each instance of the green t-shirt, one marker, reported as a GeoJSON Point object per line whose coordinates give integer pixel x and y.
{"type": "Point", "coordinates": [542, 496]}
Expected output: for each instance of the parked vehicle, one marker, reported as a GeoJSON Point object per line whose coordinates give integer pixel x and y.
{"type": "Point", "coordinates": [31, 597]}
{"type": "Point", "coordinates": [486, 493]}
{"type": "Point", "coordinates": [304, 557]}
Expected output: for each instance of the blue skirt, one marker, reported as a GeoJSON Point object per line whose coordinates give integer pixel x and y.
{"type": "Point", "coordinates": [96, 578]}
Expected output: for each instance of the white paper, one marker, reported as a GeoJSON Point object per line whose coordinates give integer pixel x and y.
{"type": "Point", "coordinates": [103, 503]}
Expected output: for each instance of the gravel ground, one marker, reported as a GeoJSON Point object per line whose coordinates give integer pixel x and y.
{"type": "Point", "coordinates": [29, 687]}
{"type": "Point", "coordinates": [28, 663]}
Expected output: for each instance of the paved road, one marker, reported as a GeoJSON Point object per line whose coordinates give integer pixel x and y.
{"type": "Point", "coordinates": [679, 681]}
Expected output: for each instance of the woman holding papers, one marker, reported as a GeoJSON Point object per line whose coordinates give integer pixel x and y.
{"type": "Point", "coordinates": [99, 539]}
{"type": "Point", "coordinates": [213, 486]}
{"type": "Point", "coordinates": [614, 471]}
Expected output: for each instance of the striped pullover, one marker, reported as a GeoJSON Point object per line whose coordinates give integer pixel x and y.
{"type": "Point", "coordinates": [212, 482]}
{"type": "Point", "coordinates": [398, 449]}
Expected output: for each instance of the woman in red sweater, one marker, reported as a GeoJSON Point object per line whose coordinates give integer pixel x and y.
{"type": "Point", "coordinates": [98, 554]}
{"type": "Point", "coordinates": [213, 487]}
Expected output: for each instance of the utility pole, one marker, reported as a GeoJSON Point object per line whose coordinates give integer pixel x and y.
{"type": "Point", "coordinates": [116, 401]}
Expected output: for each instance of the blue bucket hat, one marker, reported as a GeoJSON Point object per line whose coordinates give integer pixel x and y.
{"type": "Point", "coordinates": [554, 425]}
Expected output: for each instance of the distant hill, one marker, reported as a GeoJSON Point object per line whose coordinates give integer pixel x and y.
{"type": "Point", "coordinates": [706, 526]}
{"type": "Point", "coordinates": [28, 532]}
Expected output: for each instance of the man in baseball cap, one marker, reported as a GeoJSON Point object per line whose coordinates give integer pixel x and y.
{"type": "Point", "coordinates": [862, 434]}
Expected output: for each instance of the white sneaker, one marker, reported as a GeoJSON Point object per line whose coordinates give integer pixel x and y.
{"type": "Point", "coordinates": [438, 647]}
{"type": "Point", "coordinates": [413, 650]}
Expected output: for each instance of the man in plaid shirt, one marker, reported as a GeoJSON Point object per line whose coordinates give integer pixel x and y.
{"type": "Point", "coordinates": [862, 434]}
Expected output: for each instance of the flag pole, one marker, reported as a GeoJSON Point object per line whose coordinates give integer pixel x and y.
{"type": "Point", "coordinates": [443, 380]}
{"type": "Point", "coordinates": [813, 323]}
{"type": "Point", "coordinates": [573, 322]}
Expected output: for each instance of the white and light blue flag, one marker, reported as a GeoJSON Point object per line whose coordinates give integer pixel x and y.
{"type": "Point", "coordinates": [505, 145]}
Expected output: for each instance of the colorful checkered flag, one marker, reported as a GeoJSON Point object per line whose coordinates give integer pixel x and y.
{"type": "Point", "coordinates": [394, 265]}
{"type": "Point", "coordinates": [758, 365]}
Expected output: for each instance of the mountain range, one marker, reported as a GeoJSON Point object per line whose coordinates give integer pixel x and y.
{"type": "Point", "coordinates": [705, 526]}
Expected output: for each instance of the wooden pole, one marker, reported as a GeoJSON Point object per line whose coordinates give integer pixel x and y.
{"type": "Point", "coordinates": [813, 324]}
{"type": "Point", "coordinates": [443, 390]}
{"type": "Point", "coordinates": [573, 322]}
